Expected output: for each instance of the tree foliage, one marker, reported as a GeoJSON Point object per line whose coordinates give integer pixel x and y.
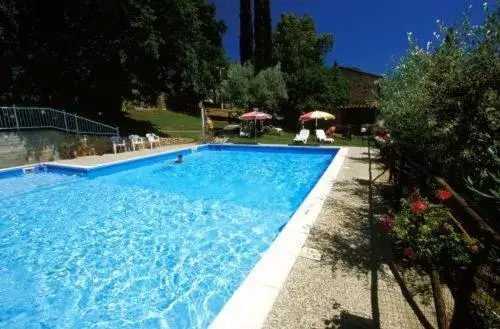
{"type": "Point", "coordinates": [489, 186]}
{"type": "Point", "coordinates": [269, 88]}
{"type": "Point", "coordinates": [236, 87]}
{"type": "Point", "coordinates": [301, 52]}
{"type": "Point", "coordinates": [263, 54]}
{"type": "Point", "coordinates": [297, 45]}
{"type": "Point", "coordinates": [441, 104]}
{"type": "Point", "coordinates": [315, 88]}
{"type": "Point", "coordinates": [246, 31]}
{"type": "Point", "coordinates": [88, 58]}
{"type": "Point", "coordinates": [243, 89]}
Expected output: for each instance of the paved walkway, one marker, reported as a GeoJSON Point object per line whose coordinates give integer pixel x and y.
{"type": "Point", "coordinates": [349, 287]}
{"type": "Point", "coordinates": [94, 160]}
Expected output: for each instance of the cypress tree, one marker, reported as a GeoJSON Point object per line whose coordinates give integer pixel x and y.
{"type": "Point", "coordinates": [263, 34]}
{"type": "Point", "coordinates": [246, 31]}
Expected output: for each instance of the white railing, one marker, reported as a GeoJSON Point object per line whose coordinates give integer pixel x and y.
{"type": "Point", "coordinates": [21, 118]}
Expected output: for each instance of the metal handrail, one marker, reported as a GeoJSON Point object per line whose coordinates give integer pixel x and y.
{"type": "Point", "coordinates": [17, 118]}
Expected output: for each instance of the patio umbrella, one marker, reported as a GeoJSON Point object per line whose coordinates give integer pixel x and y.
{"type": "Point", "coordinates": [255, 115]}
{"type": "Point", "coordinates": [316, 115]}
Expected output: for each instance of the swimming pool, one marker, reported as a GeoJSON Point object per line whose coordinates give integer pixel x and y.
{"type": "Point", "coordinates": [145, 244]}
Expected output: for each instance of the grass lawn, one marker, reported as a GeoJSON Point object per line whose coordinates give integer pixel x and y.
{"type": "Point", "coordinates": [173, 123]}
{"type": "Point", "coordinates": [183, 125]}
{"type": "Point", "coordinates": [287, 138]}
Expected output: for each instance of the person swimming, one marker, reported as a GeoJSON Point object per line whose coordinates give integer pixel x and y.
{"type": "Point", "coordinates": [180, 159]}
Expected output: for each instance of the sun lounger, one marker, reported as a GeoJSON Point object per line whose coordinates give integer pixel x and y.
{"type": "Point", "coordinates": [153, 139]}
{"type": "Point", "coordinates": [321, 136]}
{"type": "Point", "coordinates": [302, 136]}
{"type": "Point", "coordinates": [118, 142]}
{"type": "Point", "coordinates": [136, 140]}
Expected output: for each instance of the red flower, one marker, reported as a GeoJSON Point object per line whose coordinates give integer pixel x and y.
{"type": "Point", "coordinates": [387, 224]}
{"type": "Point", "coordinates": [443, 195]}
{"type": "Point", "coordinates": [475, 248]}
{"type": "Point", "coordinates": [418, 206]}
{"type": "Point", "coordinates": [410, 254]}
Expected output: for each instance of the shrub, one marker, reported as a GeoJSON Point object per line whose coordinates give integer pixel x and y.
{"type": "Point", "coordinates": [446, 100]}
{"type": "Point", "coordinates": [425, 232]}
{"type": "Point", "coordinates": [264, 90]}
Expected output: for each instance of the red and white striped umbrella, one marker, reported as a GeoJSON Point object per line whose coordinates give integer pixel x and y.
{"type": "Point", "coordinates": [255, 115]}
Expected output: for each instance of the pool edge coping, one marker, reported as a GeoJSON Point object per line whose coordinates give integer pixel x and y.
{"type": "Point", "coordinates": [83, 168]}
{"type": "Point", "coordinates": [252, 301]}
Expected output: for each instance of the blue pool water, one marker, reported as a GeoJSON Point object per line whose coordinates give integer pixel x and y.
{"type": "Point", "coordinates": [153, 245]}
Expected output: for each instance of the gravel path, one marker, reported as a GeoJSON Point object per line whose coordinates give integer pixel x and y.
{"type": "Point", "coordinates": [349, 287]}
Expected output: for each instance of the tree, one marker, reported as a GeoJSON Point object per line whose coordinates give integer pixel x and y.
{"type": "Point", "coordinates": [297, 45]}
{"type": "Point", "coordinates": [245, 90]}
{"type": "Point", "coordinates": [301, 52]}
{"type": "Point", "coordinates": [89, 59]}
{"type": "Point", "coordinates": [263, 34]}
{"type": "Point", "coordinates": [445, 100]}
{"type": "Point", "coordinates": [246, 32]}
{"type": "Point", "coordinates": [236, 88]}
{"type": "Point", "coordinates": [269, 89]}
{"type": "Point", "coordinates": [314, 88]}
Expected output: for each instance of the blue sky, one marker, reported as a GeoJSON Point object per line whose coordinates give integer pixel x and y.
{"type": "Point", "coordinates": [368, 34]}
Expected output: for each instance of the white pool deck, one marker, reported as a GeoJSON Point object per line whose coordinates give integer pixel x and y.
{"type": "Point", "coordinates": [95, 160]}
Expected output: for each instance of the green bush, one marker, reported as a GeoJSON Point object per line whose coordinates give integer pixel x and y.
{"type": "Point", "coordinates": [441, 104]}
{"type": "Point", "coordinates": [426, 233]}
{"type": "Point", "coordinates": [243, 89]}
{"type": "Point", "coordinates": [489, 186]}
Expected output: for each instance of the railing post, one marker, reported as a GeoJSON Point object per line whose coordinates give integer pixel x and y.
{"type": "Point", "coordinates": [65, 121]}
{"type": "Point", "coordinates": [117, 131]}
{"type": "Point", "coordinates": [202, 109]}
{"type": "Point", "coordinates": [15, 117]}
{"type": "Point", "coordinates": [399, 181]}
{"type": "Point", "coordinates": [76, 123]}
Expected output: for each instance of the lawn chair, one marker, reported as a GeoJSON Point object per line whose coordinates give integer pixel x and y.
{"type": "Point", "coordinates": [152, 139]}
{"type": "Point", "coordinates": [136, 140]}
{"type": "Point", "coordinates": [118, 142]}
{"type": "Point", "coordinates": [302, 137]}
{"type": "Point", "coordinates": [321, 137]}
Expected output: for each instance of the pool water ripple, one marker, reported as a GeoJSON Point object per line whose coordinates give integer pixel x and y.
{"type": "Point", "coordinates": [153, 246]}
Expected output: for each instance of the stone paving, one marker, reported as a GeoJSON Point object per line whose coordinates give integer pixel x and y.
{"type": "Point", "coordinates": [94, 160]}
{"type": "Point", "coordinates": [339, 281]}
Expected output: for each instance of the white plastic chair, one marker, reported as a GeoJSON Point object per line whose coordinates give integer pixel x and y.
{"type": "Point", "coordinates": [321, 136]}
{"type": "Point", "coordinates": [118, 142]}
{"type": "Point", "coordinates": [136, 140]}
{"type": "Point", "coordinates": [220, 140]}
{"type": "Point", "coordinates": [302, 137]}
{"type": "Point", "coordinates": [153, 139]}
